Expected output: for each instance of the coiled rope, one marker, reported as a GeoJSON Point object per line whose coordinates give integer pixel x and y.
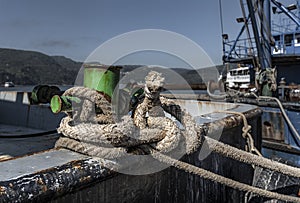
{"type": "Point", "coordinates": [153, 134]}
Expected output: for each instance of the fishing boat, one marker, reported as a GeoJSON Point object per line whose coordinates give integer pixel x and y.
{"type": "Point", "coordinates": [224, 163]}
{"type": "Point", "coordinates": [270, 51]}
{"type": "Point", "coordinates": [271, 47]}
{"type": "Point", "coordinates": [60, 174]}
{"type": "Point", "coordinates": [67, 174]}
{"type": "Point", "coordinates": [238, 78]}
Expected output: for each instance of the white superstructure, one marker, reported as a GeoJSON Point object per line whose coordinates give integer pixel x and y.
{"type": "Point", "coordinates": [238, 77]}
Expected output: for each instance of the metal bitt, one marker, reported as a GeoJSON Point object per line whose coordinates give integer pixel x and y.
{"type": "Point", "coordinates": [62, 103]}
{"type": "Point", "coordinates": [98, 77]}
{"type": "Point", "coordinates": [44, 93]}
{"type": "Point", "coordinates": [101, 77]}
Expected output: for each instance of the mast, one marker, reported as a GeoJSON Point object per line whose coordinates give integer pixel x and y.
{"type": "Point", "coordinates": [266, 32]}
{"type": "Point", "coordinates": [262, 38]}
{"type": "Point", "coordinates": [260, 16]}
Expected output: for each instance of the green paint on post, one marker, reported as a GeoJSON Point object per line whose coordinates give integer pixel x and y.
{"type": "Point", "coordinates": [56, 104]}
{"type": "Point", "coordinates": [62, 103]}
{"type": "Point", "coordinates": [101, 78]}
{"type": "Point", "coordinates": [266, 90]}
{"type": "Point", "coordinates": [43, 93]}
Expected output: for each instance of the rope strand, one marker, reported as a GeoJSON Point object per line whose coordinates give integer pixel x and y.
{"type": "Point", "coordinates": [221, 179]}
{"type": "Point", "coordinates": [157, 134]}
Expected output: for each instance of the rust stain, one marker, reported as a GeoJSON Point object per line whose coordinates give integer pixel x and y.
{"type": "Point", "coordinates": [27, 155]}
{"type": "Point", "coordinates": [76, 166]}
{"type": "Point", "coordinates": [84, 179]}
{"type": "Point", "coordinates": [73, 163]}
{"type": "Point", "coordinates": [40, 181]}
{"type": "Point", "coordinates": [273, 126]}
{"type": "Point", "coordinates": [5, 157]}
{"type": "Point", "coordinates": [232, 121]}
{"type": "Point", "coordinates": [44, 188]}
{"type": "Point", "coordinates": [2, 190]}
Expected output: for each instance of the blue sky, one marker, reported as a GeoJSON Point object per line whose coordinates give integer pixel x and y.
{"type": "Point", "coordinates": [74, 28]}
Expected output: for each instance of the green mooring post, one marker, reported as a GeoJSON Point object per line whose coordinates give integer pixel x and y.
{"type": "Point", "coordinates": [62, 103]}
{"type": "Point", "coordinates": [42, 94]}
{"type": "Point", "coordinates": [101, 77]}
{"type": "Point", "coordinates": [98, 77]}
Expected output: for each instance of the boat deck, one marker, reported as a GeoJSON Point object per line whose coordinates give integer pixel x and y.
{"type": "Point", "coordinates": [14, 130]}
{"type": "Point", "coordinates": [60, 175]}
{"type": "Point", "coordinates": [39, 161]}
{"type": "Point", "coordinates": [19, 141]}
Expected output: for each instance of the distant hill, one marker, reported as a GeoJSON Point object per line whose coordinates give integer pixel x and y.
{"type": "Point", "coordinates": [191, 76]}
{"type": "Point", "coordinates": [31, 68]}
{"type": "Point", "coordinates": [67, 63]}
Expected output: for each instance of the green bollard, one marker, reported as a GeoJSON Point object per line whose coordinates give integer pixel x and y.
{"type": "Point", "coordinates": [101, 78]}
{"type": "Point", "coordinates": [62, 103]}
{"type": "Point", "coordinates": [98, 77]}
{"type": "Point", "coordinates": [43, 94]}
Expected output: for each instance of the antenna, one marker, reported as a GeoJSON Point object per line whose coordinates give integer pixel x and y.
{"type": "Point", "coordinates": [224, 36]}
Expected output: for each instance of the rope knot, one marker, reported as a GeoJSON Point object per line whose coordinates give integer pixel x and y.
{"type": "Point", "coordinates": [246, 130]}
{"type": "Point", "coordinates": [154, 81]}
{"type": "Point", "coordinates": [154, 84]}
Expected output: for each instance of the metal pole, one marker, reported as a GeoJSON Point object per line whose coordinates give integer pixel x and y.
{"type": "Point", "coordinates": [286, 11]}
{"type": "Point", "coordinates": [256, 35]}
{"type": "Point", "coordinates": [266, 32]}
{"type": "Point", "coordinates": [222, 30]}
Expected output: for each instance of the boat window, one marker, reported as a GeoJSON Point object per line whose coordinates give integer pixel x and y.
{"type": "Point", "coordinates": [277, 38]}
{"type": "Point", "coordinates": [288, 39]}
{"type": "Point", "coordinates": [297, 37]}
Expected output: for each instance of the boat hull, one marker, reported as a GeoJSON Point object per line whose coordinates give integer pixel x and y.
{"type": "Point", "coordinates": [67, 176]}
